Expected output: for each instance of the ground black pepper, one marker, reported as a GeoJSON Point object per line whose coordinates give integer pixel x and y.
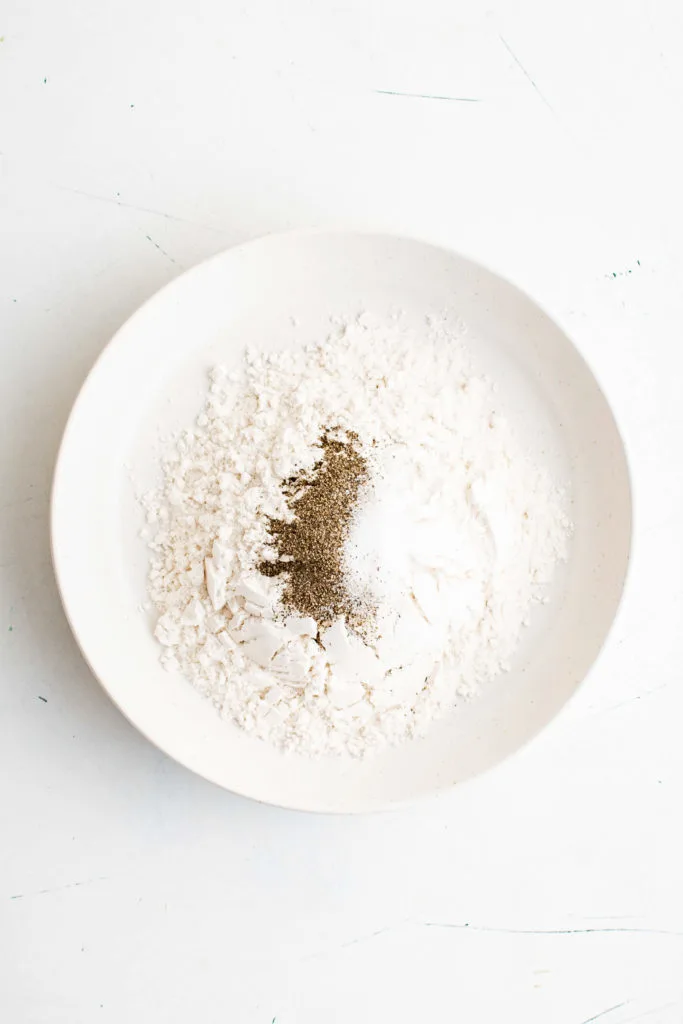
{"type": "Point", "coordinates": [310, 548]}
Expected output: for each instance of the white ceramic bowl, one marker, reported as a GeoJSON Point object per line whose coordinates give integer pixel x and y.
{"type": "Point", "coordinates": [151, 378]}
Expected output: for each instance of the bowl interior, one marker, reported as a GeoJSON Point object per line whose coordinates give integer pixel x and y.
{"type": "Point", "coordinates": [151, 381]}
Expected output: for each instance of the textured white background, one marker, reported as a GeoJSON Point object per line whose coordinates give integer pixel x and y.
{"type": "Point", "coordinates": [138, 137]}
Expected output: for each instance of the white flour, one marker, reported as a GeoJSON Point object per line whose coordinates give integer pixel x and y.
{"type": "Point", "coordinates": [454, 539]}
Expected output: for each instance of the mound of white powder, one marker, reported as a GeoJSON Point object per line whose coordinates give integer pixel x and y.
{"type": "Point", "coordinates": [454, 538]}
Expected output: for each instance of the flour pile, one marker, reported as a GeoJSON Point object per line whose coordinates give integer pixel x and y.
{"type": "Point", "coordinates": [454, 534]}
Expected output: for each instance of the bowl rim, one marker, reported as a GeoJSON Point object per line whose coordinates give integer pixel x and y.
{"type": "Point", "coordinates": [476, 264]}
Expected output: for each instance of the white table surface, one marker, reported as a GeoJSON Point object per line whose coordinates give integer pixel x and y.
{"type": "Point", "coordinates": [140, 136]}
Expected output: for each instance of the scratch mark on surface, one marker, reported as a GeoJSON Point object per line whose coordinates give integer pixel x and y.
{"type": "Point", "coordinates": [648, 1013]}
{"type": "Point", "coordinates": [44, 699]}
{"type": "Point", "coordinates": [555, 931]}
{"type": "Point", "coordinates": [59, 888]}
{"type": "Point", "coordinates": [427, 96]}
{"type": "Point", "coordinates": [526, 73]}
{"type": "Point", "coordinates": [163, 251]}
{"type": "Point", "coordinates": [602, 1013]}
{"type": "Point", "coordinates": [622, 273]}
{"type": "Point", "coordinates": [367, 937]}
{"type": "Point", "coordinates": [632, 700]}
{"type": "Point", "coordinates": [116, 201]}
{"type": "Point", "coordinates": [372, 935]}
{"type": "Point", "coordinates": [466, 927]}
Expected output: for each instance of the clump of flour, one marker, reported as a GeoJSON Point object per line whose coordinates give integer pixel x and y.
{"type": "Point", "coordinates": [454, 535]}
